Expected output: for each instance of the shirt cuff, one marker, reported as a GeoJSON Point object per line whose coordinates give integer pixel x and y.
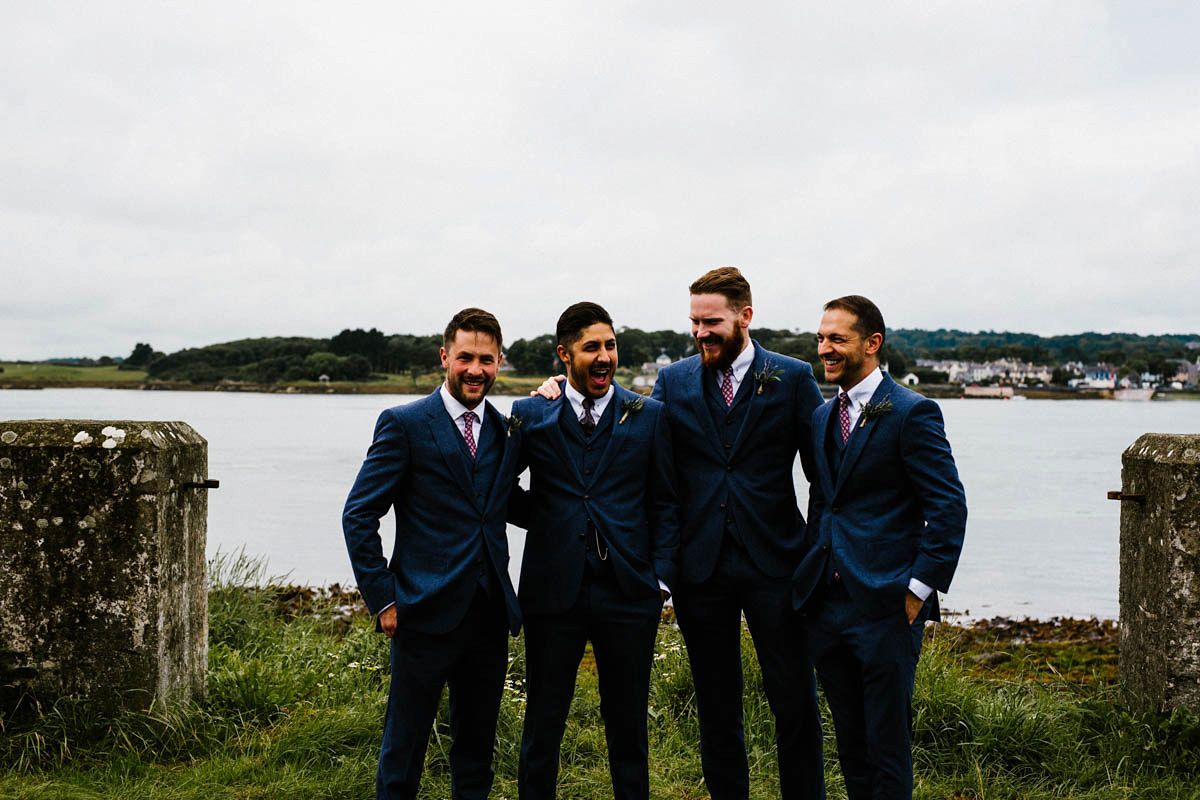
{"type": "Point", "coordinates": [663, 587]}
{"type": "Point", "coordinates": [385, 608]}
{"type": "Point", "coordinates": [921, 590]}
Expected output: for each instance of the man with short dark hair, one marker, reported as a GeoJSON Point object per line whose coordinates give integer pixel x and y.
{"type": "Point", "coordinates": [446, 466]}
{"type": "Point", "coordinates": [600, 552]}
{"type": "Point", "coordinates": [886, 527]}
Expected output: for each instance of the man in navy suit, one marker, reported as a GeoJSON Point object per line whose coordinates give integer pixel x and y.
{"type": "Point", "coordinates": [739, 415]}
{"type": "Point", "coordinates": [446, 466]}
{"type": "Point", "coordinates": [885, 531]}
{"type": "Point", "coordinates": [599, 556]}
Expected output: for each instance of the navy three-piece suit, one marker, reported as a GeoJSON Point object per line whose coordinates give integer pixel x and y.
{"type": "Point", "coordinates": [448, 578]}
{"type": "Point", "coordinates": [742, 537]}
{"type": "Point", "coordinates": [888, 507]}
{"type": "Point", "coordinates": [602, 532]}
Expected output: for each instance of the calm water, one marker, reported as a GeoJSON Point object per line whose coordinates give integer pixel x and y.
{"type": "Point", "coordinates": [1041, 538]}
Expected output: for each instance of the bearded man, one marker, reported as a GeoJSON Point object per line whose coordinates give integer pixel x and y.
{"type": "Point", "coordinates": [739, 415]}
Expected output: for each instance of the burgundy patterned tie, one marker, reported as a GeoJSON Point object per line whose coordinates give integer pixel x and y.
{"type": "Point", "coordinates": [589, 422]}
{"type": "Point", "coordinates": [727, 385]}
{"type": "Point", "coordinates": [468, 418]}
{"type": "Point", "coordinates": [844, 415]}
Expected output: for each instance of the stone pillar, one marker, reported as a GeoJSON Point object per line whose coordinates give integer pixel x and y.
{"type": "Point", "coordinates": [102, 533]}
{"type": "Point", "coordinates": [1160, 572]}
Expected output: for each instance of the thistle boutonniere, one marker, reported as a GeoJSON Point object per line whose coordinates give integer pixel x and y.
{"type": "Point", "coordinates": [514, 424]}
{"type": "Point", "coordinates": [872, 410]}
{"type": "Point", "coordinates": [631, 405]}
{"type": "Point", "coordinates": [767, 375]}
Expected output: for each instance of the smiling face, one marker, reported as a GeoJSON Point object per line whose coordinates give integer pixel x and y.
{"type": "Point", "coordinates": [719, 331]}
{"type": "Point", "coordinates": [471, 362]}
{"type": "Point", "coordinates": [591, 360]}
{"type": "Point", "coordinates": [847, 355]}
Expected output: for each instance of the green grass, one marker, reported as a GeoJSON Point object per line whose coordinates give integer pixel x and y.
{"type": "Point", "coordinates": [37, 374]}
{"type": "Point", "coordinates": [296, 693]}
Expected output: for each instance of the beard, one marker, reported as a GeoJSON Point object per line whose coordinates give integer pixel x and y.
{"type": "Point", "coordinates": [731, 346]}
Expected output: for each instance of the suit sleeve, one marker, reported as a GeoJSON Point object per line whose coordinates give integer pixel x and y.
{"type": "Point", "coordinates": [518, 499]}
{"type": "Point", "coordinates": [664, 508]}
{"type": "Point", "coordinates": [659, 392]}
{"type": "Point", "coordinates": [929, 465]}
{"type": "Point", "coordinates": [808, 399]}
{"type": "Point", "coordinates": [369, 501]}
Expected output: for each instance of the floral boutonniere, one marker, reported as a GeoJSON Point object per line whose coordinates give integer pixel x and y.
{"type": "Point", "coordinates": [514, 424]}
{"type": "Point", "coordinates": [631, 405]}
{"type": "Point", "coordinates": [872, 410]}
{"type": "Point", "coordinates": [767, 375]}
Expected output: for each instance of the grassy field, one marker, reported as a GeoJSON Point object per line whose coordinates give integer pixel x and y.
{"type": "Point", "coordinates": [65, 374]}
{"type": "Point", "coordinates": [25, 375]}
{"type": "Point", "coordinates": [297, 684]}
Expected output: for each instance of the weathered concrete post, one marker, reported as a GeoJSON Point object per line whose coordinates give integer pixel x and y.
{"type": "Point", "coordinates": [102, 532]}
{"type": "Point", "coordinates": [1160, 572]}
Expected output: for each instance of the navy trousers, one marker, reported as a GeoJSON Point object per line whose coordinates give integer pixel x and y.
{"type": "Point", "coordinates": [710, 618]}
{"type": "Point", "coordinates": [867, 668]}
{"type": "Point", "coordinates": [622, 632]}
{"type": "Point", "coordinates": [472, 659]}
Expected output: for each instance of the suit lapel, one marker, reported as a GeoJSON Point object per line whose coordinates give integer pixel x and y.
{"type": "Point", "coordinates": [617, 435]}
{"type": "Point", "coordinates": [821, 421]}
{"type": "Point", "coordinates": [861, 433]}
{"type": "Point", "coordinates": [699, 407]}
{"type": "Point", "coordinates": [754, 411]}
{"type": "Point", "coordinates": [447, 437]}
{"type": "Point", "coordinates": [501, 485]}
{"type": "Point", "coordinates": [556, 408]}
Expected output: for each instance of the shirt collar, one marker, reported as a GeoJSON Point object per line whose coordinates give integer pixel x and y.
{"type": "Point", "coordinates": [743, 361]}
{"type": "Point", "coordinates": [456, 409]}
{"type": "Point", "coordinates": [576, 399]}
{"type": "Point", "coordinates": [860, 393]}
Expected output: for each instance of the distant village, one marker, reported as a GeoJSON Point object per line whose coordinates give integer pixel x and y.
{"type": "Point", "coordinates": [1007, 372]}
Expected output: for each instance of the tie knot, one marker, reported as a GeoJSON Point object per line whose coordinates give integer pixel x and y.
{"type": "Point", "coordinates": [589, 403]}
{"type": "Point", "coordinates": [727, 372]}
{"type": "Point", "coordinates": [469, 416]}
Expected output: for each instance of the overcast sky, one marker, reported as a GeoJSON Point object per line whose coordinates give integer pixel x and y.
{"type": "Point", "coordinates": [189, 173]}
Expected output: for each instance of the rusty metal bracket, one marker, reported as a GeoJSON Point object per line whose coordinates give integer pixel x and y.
{"type": "Point", "coordinates": [1137, 498]}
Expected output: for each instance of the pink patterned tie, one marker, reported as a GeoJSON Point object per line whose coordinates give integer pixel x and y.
{"type": "Point", "coordinates": [727, 385]}
{"type": "Point", "coordinates": [468, 418]}
{"type": "Point", "coordinates": [844, 415]}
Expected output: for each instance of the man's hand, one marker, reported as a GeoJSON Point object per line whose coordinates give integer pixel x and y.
{"type": "Point", "coordinates": [549, 388]}
{"type": "Point", "coordinates": [912, 605]}
{"type": "Point", "coordinates": [387, 621]}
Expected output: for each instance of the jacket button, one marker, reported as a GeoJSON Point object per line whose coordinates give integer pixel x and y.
{"type": "Point", "coordinates": [824, 548]}
{"type": "Point", "coordinates": [836, 509]}
{"type": "Point", "coordinates": [722, 506]}
{"type": "Point", "coordinates": [729, 468]}
{"type": "Point", "coordinates": [587, 497]}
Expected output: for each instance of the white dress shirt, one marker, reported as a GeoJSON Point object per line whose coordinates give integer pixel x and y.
{"type": "Point", "coordinates": [575, 398]}
{"type": "Point", "coordinates": [741, 365]}
{"type": "Point", "coordinates": [456, 410]}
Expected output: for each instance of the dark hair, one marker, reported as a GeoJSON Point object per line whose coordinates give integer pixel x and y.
{"type": "Point", "coordinates": [577, 317]}
{"type": "Point", "coordinates": [868, 317]}
{"type": "Point", "coordinates": [474, 320]}
{"type": "Point", "coordinates": [727, 281]}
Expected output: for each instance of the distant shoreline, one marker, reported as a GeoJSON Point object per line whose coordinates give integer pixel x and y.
{"type": "Point", "coordinates": [516, 387]}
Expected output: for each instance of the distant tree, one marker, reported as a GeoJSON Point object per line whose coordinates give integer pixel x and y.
{"type": "Point", "coordinates": [142, 355]}
{"type": "Point", "coordinates": [534, 356]}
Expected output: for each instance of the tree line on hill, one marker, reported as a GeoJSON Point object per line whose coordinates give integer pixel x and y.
{"type": "Point", "coordinates": [358, 355]}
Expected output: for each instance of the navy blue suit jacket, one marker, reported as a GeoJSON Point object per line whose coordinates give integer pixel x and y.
{"type": "Point", "coordinates": [756, 473]}
{"type": "Point", "coordinates": [629, 497]}
{"type": "Point", "coordinates": [894, 510]}
{"type": "Point", "coordinates": [417, 466]}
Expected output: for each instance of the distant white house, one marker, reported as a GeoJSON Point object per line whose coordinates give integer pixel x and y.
{"type": "Point", "coordinates": [1096, 376]}
{"type": "Point", "coordinates": [910, 379]}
